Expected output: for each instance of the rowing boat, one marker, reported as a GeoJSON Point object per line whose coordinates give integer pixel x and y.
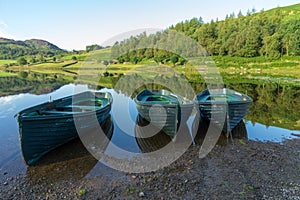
{"type": "Point", "coordinates": [164, 109]}
{"type": "Point", "coordinates": [224, 106]}
{"type": "Point", "coordinates": [44, 127]}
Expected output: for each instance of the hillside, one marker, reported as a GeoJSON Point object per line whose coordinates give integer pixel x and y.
{"type": "Point", "coordinates": [41, 44]}
{"type": "Point", "coordinates": [12, 49]}
{"type": "Point", "coordinates": [270, 34]}
{"type": "Point", "coordinates": [289, 12]}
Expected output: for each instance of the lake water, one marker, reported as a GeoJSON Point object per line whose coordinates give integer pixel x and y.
{"type": "Point", "coordinates": [260, 124]}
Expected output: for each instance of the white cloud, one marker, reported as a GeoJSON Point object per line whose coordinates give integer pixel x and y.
{"type": "Point", "coordinates": [8, 99]}
{"type": "Point", "coordinates": [3, 31]}
{"type": "Point", "coordinates": [6, 35]}
{"type": "Point", "coordinates": [3, 24]}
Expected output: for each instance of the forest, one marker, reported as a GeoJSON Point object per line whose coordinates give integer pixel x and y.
{"type": "Point", "coordinates": [269, 34]}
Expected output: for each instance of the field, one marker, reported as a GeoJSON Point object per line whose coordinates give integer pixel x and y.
{"type": "Point", "coordinates": [6, 62]}
{"type": "Point", "coordinates": [91, 64]}
{"type": "Point", "coordinates": [6, 74]}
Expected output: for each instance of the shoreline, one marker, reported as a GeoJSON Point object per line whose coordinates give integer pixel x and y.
{"type": "Point", "coordinates": [245, 170]}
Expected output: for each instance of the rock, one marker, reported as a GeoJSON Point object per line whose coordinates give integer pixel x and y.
{"type": "Point", "coordinates": [133, 176]}
{"type": "Point", "coordinates": [141, 194]}
{"type": "Point", "coordinates": [295, 134]}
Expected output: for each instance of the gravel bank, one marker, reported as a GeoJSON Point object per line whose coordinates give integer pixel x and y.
{"type": "Point", "coordinates": [245, 170]}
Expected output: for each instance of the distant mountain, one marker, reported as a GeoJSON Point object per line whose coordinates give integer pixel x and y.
{"type": "Point", "coordinates": [41, 44]}
{"type": "Point", "coordinates": [12, 49]}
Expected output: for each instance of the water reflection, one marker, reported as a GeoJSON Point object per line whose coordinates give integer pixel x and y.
{"type": "Point", "coordinates": [146, 140]}
{"type": "Point", "coordinates": [150, 138]}
{"type": "Point", "coordinates": [70, 161]}
{"type": "Point", "coordinates": [30, 82]}
{"type": "Point", "coordinates": [273, 116]}
{"type": "Point", "coordinates": [239, 132]}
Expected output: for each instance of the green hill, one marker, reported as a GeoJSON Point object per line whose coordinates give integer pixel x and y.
{"type": "Point", "coordinates": [41, 45]}
{"type": "Point", "coordinates": [270, 34]}
{"type": "Point", "coordinates": [12, 49]}
{"type": "Point", "coordinates": [288, 13]}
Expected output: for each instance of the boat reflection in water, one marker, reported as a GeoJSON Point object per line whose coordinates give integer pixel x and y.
{"type": "Point", "coordinates": [206, 127]}
{"type": "Point", "coordinates": [150, 138]}
{"type": "Point", "coordinates": [70, 161]}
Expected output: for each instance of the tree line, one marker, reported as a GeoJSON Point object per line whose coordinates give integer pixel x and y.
{"type": "Point", "coordinates": [266, 34]}
{"type": "Point", "coordinates": [269, 34]}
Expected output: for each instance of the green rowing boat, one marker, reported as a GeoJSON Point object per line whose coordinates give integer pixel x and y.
{"type": "Point", "coordinates": [224, 106]}
{"type": "Point", "coordinates": [164, 109]}
{"type": "Point", "coordinates": [44, 127]}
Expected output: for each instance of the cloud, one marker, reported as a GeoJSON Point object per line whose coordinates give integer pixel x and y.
{"type": "Point", "coordinates": [8, 99]}
{"type": "Point", "coordinates": [3, 24]}
{"type": "Point", "coordinates": [3, 31]}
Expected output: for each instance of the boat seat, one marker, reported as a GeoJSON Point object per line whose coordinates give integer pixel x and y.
{"type": "Point", "coordinates": [54, 112]}
{"type": "Point", "coordinates": [79, 107]}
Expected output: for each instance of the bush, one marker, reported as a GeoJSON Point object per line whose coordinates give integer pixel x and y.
{"type": "Point", "coordinates": [22, 61]}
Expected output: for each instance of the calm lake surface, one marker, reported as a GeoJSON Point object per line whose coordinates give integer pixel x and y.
{"type": "Point", "coordinates": [273, 117]}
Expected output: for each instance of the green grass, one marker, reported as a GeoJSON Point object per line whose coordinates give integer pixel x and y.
{"type": "Point", "coordinates": [102, 54]}
{"type": "Point", "coordinates": [45, 68]}
{"type": "Point", "coordinates": [92, 68]}
{"type": "Point", "coordinates": [79, 57]}
{"type": "Point", "coordinates": [287, 67]}
{"type": "Point", "coordinates": [50, 64]}
{"type": "Point", "coordinates": [6, 74]}
{"type": "Point", "coordinates": [291, 12]}
{"type": "Point", "coordinates": [6, 62]}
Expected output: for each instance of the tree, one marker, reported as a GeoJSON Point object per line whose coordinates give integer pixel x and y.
{"type": "Point", "coordinates": [291, 37]}
{"type": "Point", "coordinates": [105, 62]}
{"type": "Point", "coordinates": [271, 46]}
{"type": "Point", "coordinates": [93, 47]}
{"type": "Point", "coordinates": [174, 59]}
{"type": "Point", "coordinates": [253, 39]}
{"type": "Point", "coordinates": [22, 61]}
{"type": "Point", "coordinates": [23, 74]}
{"type": "Point", "coordinates": [32, 60]}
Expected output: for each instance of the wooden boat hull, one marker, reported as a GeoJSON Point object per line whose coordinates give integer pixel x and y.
{"type": "Point", "coordinates": [40, 133]}
{"type": "Point", "coordinates": [224, 107]}
{"type": "Point", "coordinates": [166, 111]}
{"type": "Point", "coordinates": [73, 159]}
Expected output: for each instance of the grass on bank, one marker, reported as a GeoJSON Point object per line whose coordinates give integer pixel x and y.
{"type": "Point", "coordinates": [7, 74]}
{"type": "Point", "coordinates": [92, 63]}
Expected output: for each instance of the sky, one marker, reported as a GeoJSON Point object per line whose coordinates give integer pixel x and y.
{"type": "Point", "coordinates": [73, 24]}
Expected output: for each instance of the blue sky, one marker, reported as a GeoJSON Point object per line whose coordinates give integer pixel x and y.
{"type": "Point", "coordinates": [72, 24]}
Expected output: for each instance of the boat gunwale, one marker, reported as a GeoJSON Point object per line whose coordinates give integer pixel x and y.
{"type": "Point", "coordinates": [244, 99]}
{"type": "Point", "coordinates": [172, 104]}
{"type": "Point", "coordinates": [22, 117]}
{"type": "Point", "coordinates": [224, 102]}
